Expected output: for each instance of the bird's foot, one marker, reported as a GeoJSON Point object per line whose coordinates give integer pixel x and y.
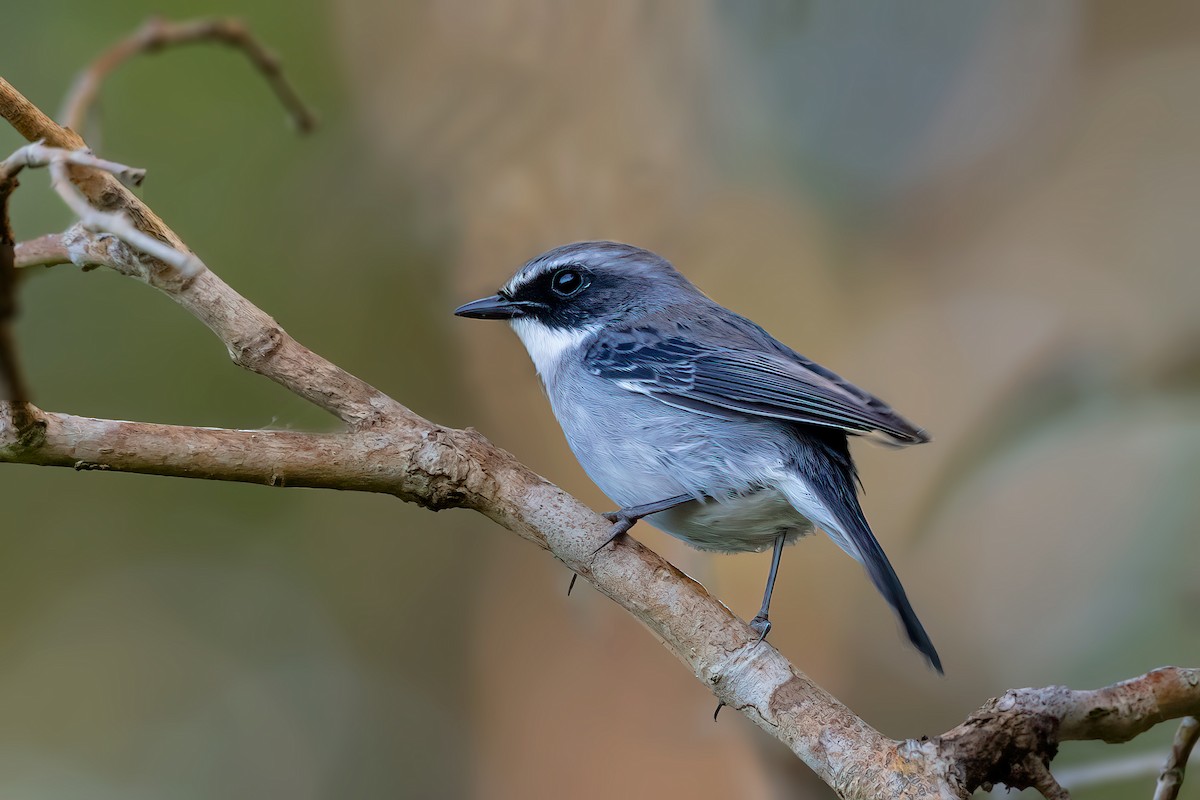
{"type": "Point", "coordinates": [621, 525]}
{"type": "Point", "coordinates": [624, 518]}
{"type": "Point", "coordinates": [760, 625]}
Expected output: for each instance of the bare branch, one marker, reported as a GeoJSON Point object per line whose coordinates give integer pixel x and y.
{"type": "Point", "coordinates": [114, 222]}
{"type": "Point", "coordinates": [40, 155]}
{"type": "Point", "coordinates": [44, 251]}
{"type": "Point", "coordinates": [83, 248]}
{"type": "Point", "coordinates": [12, 382]}
{"type": "Point", "coordinates": [365, 463]}
{"type": "Point", "coordinates": [1170, 779]}
{"type": "Point", "coordinates": [254, 340]}
{"type": "Point", "coordinates": [156, 34]}
{"type": "Point", "coordinates": [32, 123]}
{"type": "Point", "coordinates": [441, 468]}
{"type": "Point", "coordinates": [1120, 712]}
{"type": "Point", "coordinates": [118, 225]}
{"type": "Point", "coordinates": [1033, 722]}
{"type": "Point", "coordinates": [102, 189]}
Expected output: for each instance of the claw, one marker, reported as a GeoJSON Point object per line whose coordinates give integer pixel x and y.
{"type": "Point", "coordinates": [620, 526]}
{"type": "Point", "coordinates": [624, 518]}
{"type": "Point", "coordinates": [760, 625]}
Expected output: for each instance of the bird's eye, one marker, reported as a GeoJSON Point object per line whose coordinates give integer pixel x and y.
{"type": "Point", "coordinates": [569, 281]}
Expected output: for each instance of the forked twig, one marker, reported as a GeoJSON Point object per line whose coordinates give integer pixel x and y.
{"type": "Point", "coordinates": [90, 217]}
{"type": "Point", "coordinates": [1170, 778]}
{"type": "Point", "coordinates": [37, 154]}
{"type": "Point", "coordinates": [157, 34]}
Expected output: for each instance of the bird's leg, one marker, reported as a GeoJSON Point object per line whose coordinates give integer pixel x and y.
{"type": "Point", "coordinates": [624, 518]}
{"type": "Point", "coordinates": [760, 623]}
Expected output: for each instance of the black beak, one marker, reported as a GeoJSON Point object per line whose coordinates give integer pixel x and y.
{"type": "Point", "coordinates": [494, 307]}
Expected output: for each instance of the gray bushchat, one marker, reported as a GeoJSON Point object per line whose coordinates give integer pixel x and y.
{"type": "Point", "coordinates": [694, 417]}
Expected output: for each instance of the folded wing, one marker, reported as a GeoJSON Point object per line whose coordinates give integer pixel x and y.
{"type": "Point", "coordinates": [734, 382]}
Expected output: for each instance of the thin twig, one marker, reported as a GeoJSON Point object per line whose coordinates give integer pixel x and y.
{"type": "Point", "coordinates": [93, 219]}
{"type": "Point", "coordinates": [1113, 770]}
{"type": "Point", "coordinates": [156, 34]}
{"type": "Point", "coordinates": [1170, 779]}
{"type": "Point", "coordinates": [12, 382]}
{"type": "Point", "coordinates": [44, 251]}
{"type": "Point", "coordinates": [101, 187]}
{"type": "Point", "coordinates": [118, 225]}
{"type": "Point", "coordinates": [83, 248]}
{"type": "Point", "coordinates": [38, 154]}
{"type": "Point", "coordinates": [253, 339]}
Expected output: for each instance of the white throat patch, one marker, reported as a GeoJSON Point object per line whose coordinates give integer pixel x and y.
{"type": "Point", "coordinates": [547, 346]}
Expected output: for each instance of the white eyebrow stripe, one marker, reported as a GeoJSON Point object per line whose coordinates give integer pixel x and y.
{"type": "Point", "coordinates": [532, 272]}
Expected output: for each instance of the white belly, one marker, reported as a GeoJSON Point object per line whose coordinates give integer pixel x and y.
{"type": "Point", "coordinates": [750, 522]}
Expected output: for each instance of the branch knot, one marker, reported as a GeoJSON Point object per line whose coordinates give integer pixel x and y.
{"type": "Point", "coordinates": [251, 352]}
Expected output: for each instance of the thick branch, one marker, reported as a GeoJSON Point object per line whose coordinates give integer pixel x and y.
{"type": "Point", "coordinates": [1012, 739]}
{"type": "Point", "coordinates": [1120, 712]}
{"type": "Point", "coordinates": [441, 468]}
{"type": "Point", "coordinates": [366, 462]}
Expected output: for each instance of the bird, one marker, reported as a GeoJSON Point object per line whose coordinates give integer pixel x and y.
{"type": "Point", "coordinates": [693, 417]}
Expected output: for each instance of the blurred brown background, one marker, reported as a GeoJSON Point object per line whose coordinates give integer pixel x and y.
{"type": "Point", "coordinates": [984, 212]}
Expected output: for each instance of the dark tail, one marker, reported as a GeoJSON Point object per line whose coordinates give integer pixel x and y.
{"type": "Point", "coordinates": [888, 583]}
{"type": "Point", "coordinates": [830, 473]}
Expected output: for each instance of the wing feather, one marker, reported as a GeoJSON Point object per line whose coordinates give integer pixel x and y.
{"type": "Point", "coordinates": [733, 382]}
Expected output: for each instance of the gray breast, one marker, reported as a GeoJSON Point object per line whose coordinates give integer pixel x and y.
{"type": "Point", "coordinates": [638, 450]}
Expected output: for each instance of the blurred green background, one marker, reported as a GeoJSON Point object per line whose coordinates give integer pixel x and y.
{"type": "Point", "coordinates": [984, 212]}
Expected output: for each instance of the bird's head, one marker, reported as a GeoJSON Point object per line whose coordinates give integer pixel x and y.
{"type": "Point", "coordinates": [584, 284]}
{"type": "Point", "coordinates": [562, 297]}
